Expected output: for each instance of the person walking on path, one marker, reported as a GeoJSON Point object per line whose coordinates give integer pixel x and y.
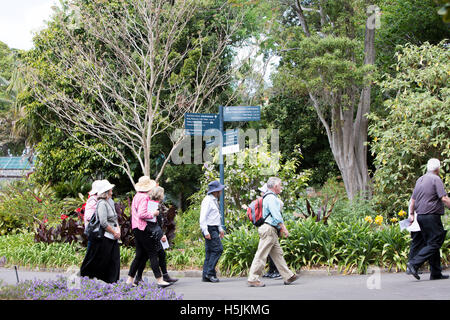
{"type": "Point", "coordinates": [210, 224]}
{"type": "Point", "coordinates": [428, 200]}
{"type": "Point", "coordinates": [157, 194]}
{"type": "Point", "coordinates": [102, 260]}
{"type": "Point", "coordinates": [268, 238]}
{"type": "Point", "coordinates": [146, 245]}
{"type": "Point", "coordinates": [273, 271]}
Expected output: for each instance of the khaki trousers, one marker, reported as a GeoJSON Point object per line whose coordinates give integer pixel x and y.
{"type": "Point", "coordinates": [268, 244]}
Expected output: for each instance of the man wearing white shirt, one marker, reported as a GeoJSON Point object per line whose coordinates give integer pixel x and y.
{"type": "Point", "coordinates": [210, 224]}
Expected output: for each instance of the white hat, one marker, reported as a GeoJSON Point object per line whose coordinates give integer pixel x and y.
{"type": "Point", "coordinates": [104, 186]}
{"type": "Point", "coordinates": [95, 185]}
{"type": "Point", "coordinates": [145, 184]}
{"type": "Point", "coordinates": [433, 164]}
{"type": "Point", "coordinates": [263, 188]}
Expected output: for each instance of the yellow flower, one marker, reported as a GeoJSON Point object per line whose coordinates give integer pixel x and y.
{"type": "Point", "coordinates": [368, 219]}
{"type": "Point", "coordinates": [402, 213]}
{"type": "Point", "coordinates": [393, 220]}
{"type": "Point", "coordinates": [379, 220]}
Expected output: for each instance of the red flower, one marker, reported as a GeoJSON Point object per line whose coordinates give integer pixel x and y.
{"type": "Point", "coordinates": [45, 220]}
{"type": "Point", "coordinates": [78, 210]}
{"type": "Point", "coordinates": [64, 217]}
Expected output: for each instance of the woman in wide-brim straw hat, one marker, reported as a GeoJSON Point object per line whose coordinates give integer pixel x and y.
{"type": "Point", "coordinates": [102, 260]}
{"type": "Point", "coordinates": [145, 246]}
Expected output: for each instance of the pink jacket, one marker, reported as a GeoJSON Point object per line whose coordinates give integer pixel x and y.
{"type": "Point", "coordinates": [139, 211]}
{"type": "Point", "coordinates": [89, 210]}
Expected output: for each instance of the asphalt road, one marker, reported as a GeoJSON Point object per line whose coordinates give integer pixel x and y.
{"type": "Point", "coordinates": [376, 286]}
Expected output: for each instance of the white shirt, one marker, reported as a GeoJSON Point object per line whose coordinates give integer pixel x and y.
{"type": "Point", "coordinates": [209, 214]}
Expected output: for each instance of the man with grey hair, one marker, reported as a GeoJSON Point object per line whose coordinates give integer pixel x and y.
{"type": "Point", "coordinates": [268, 238]}
{"type": "Point", "coordinates": [428, 200]}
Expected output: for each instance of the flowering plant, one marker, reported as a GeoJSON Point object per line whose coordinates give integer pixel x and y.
{"type": "Point", "coordinates": [86, 289]}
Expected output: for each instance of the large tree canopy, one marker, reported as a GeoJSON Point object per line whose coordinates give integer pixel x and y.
{"type": "Point", "coordinates": [327, 53]}
{"type": "Point", "coordinates": [126, 72]}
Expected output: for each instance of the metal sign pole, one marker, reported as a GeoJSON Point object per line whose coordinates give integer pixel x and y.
{"type": "Point", "coordinates": [221, 169]}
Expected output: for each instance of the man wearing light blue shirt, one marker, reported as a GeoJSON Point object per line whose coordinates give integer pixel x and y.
{"type": "Point", "coordinates": [268, 238]}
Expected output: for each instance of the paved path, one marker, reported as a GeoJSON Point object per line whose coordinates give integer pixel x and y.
{"type": "Point", "coordinates": [385, 286]}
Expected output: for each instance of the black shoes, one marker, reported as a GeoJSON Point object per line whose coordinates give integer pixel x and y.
{"type": "Point", "coordinates": [210, 279]}
{"type": "Point", "coordinates": [441, 277]}
{"type": "Point", "coordinates": [275, 275]}
{"type": "Point", "coordinates": [272, 275]}
{"type": "Point", "coordinates": [167, 278]}
{"type": "Point", "coordinates": [411, 270]}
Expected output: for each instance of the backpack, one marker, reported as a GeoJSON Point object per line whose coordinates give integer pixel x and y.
{"type": "Point", "coordinates": [94, 230]}
{"type": "Point", "coordinates": [255, 211]}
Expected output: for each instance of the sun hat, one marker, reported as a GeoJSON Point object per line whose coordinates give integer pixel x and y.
{"type": "Point", "coordinates": [263, 189]}
{"type": "Point", "coordinates": [94, 187]}
{"type": "Point", "coordinates": [104, 186]}
{"type": "Point", "coordinates": [433, 164]}
{"type": "Point", "coordinates": [215, 186]}
{"type": "Point", "coordinates": [145, 184]}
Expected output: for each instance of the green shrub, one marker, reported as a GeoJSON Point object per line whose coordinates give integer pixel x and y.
{"type": "Point", "coordinates": [351, 246]}
{"type": "Point", "coordinates": [20, 249]}
{"type": "Point", "coordinates": [23, 203]}
{"type": "Point", "coordinates": [239, 248]}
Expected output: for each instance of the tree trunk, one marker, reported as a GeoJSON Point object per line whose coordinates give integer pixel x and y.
{"type": "Point", "coordinates": [348, 135]}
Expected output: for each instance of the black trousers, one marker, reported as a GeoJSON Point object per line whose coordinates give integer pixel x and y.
{"type": "Point", "coordinates": [433, 234]}
{"type": "Point", "coordinates": [147, 246]}
{"type": "Point", "coordinates": [162, 264]}
{"type": "Point", "coordinates": [272, 266]}
{"type": "Point", "coordinates": [102, 260]}
{"type": "Point", "coordinates": [213, 251]}
{"type": "Point", "coordinates": [417, 243]}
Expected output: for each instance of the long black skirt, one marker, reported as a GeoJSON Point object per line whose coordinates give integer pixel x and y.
{"type": "Point", "coordinates": [102, 260]}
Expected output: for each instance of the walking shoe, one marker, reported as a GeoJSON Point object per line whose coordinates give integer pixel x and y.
{"type": "Point", "coordinates": [275, 275]}
{"type": "Point", "coordinates": [291, 279]}
{"type": "Point", "coordinates": [255, 284]}
{"type": "Point", "coordinates": [210, 279]}
{"type": "Point", "coordinates": [410, 269]}
{"type": "Point", "coordinates": [440, 277]}
{"type": "Point", "coordinates": [267, 275]}
{"type": "Point", "coordinates": [137, 281]}
{"type": "Point", "coordinates": [167, 278]}
{"type": "Point", "coordinates": [164, 284]}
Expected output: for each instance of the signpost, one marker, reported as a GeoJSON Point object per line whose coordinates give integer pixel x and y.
{"type": "Point", "coordinates": [197, 123]}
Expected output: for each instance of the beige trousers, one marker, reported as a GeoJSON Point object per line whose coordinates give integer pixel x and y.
{"type": "Point", "coordinates": [268, 244]}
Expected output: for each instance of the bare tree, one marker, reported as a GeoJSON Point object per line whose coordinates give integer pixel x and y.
{"type": "Point", "coordinates": [125, 71]}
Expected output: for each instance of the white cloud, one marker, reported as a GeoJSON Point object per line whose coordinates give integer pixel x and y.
{"type": "Point", "coordinates": [19, 18]}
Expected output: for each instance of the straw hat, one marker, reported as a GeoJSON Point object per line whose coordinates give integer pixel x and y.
{"type": "Point", "coordinates": [104, 186]}
{"type": "Point", "coordinates": [145, 184]}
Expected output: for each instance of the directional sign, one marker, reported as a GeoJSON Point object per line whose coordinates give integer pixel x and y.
{"type": "Point", "coordinates": [230, 137]}
{"type": "Point", "coordinates": [197, 123]}
{"type": "Point", "coordinates": [242, 113]}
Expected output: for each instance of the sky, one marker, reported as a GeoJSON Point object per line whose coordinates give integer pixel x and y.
{"type": "Point", "coordinates": [19, 18]}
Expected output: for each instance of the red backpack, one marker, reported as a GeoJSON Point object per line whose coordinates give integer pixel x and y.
{"type": "Point", "coordinates": [255, 211]}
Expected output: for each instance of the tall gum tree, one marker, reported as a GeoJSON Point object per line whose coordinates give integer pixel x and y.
{"type": "Point", "coordinates": [327, 54]}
